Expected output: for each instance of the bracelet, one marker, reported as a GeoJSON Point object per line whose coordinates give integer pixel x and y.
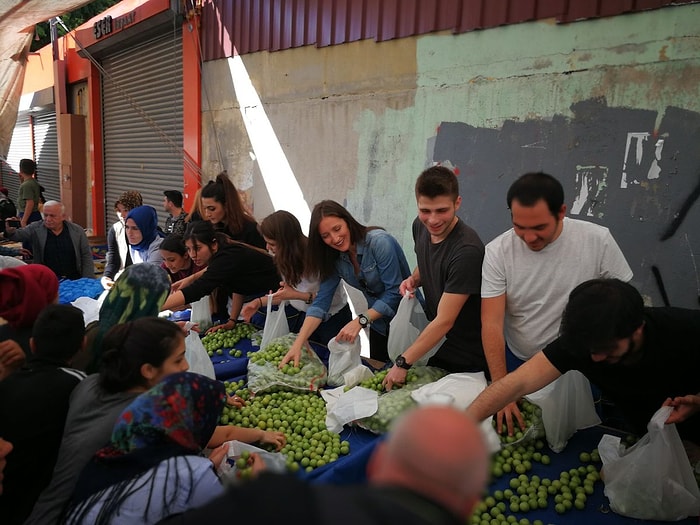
{"type": "Point", "coordinates": [311, 298]}
{"type": "Point", "coordinates": [231, 319]}
{"type": "Point", "coordinates": [260, 301]}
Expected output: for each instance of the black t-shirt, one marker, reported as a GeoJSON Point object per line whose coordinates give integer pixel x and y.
{"type": "Point", "coordinates": [668, 366]}
{"type": "Point", "coordinates": [59, 255]}
{"type": "Point", "coordinates": [249, 234]}
{"type": "Point", "coordinates": [454, 266]}
{"type": "Point", "coordinates": [235, 268]}
{"type": "Point", "coordinates": [33, 409]}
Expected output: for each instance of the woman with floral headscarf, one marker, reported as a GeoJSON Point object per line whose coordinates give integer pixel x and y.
{"type": "Point", "coordinates": [117, 246]}
{"type": "Point", "coordinates": [143, 235]}
{"type": "Point", "coordinates": [151, 468]}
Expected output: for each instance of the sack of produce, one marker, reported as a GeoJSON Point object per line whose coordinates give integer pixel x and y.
{"type": "Point", "coordinates": [264, 372]}
{"type": "Point", "coordinates": [392, 404]}
{"type": "Point", "coordinates": [534, 428]}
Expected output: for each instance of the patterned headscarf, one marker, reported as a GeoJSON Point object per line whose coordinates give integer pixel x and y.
{"type": "Point", "coordinates": [130, 199]}
{"type": "Point", "coordinates": [183, 409]}
{"type": "Point", "coordinates": [24, 292]}
{"type": "Point", "coordinates": [140, 291]}
{"type": "Point", "coordinates": [146, 218]}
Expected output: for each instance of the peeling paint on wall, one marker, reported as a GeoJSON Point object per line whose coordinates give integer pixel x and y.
{"type": "Point", "coordinates": [645, 190]}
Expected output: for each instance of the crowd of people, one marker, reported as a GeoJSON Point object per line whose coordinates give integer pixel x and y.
{"type": "Point", "coordinates": [550, 296]}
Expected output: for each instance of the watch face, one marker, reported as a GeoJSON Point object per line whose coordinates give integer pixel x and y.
{"type": "Point", "coordinates": [363, 320]}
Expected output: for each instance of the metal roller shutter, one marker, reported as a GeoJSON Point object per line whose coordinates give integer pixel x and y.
{"type": "Point", "coordinates": [46, 154]}
{"type": "Point", "coordinates": [136, 156]}
{"type": "Point", "coordinates": [20, 148]}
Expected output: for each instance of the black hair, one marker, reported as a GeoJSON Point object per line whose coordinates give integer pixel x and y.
{"type": "Point", "coordinates": [531, 187]}
{"type": "Point", "coordinates": [27, 166]}
{"type": "Point", "coordinates": [58, 332]}
{"type": "Point", "coordinates": [437, 181]}
{"type": "Point", "coordinates": [600, 312]}
{"type": "Point", "coordinates": [128, 346]}
{"type": "Point", "coordinates": [174, 243]}
{"type": "Point", "coordinates": [321, 258]}
{"type": "Point", "coordinates": [203, 232]}
{"type": "Point", "coordinates": [225, 193]}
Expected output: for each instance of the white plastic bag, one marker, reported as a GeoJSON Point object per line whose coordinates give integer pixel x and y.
{"type": "Point", "coordinates": [274, 461]}
{"type": "Point", "coordinates": [653, 479]}
{"type": "Point", "coordinates": [567, 406]}
{"type": "Point", "coordinates": [197, 356]}
{"type": "Point", "coordinates": [276, 324]}
{"type": "Point", "coordinates": [410, 320]}
{"type": "Point", "coordinates": [343, 358]}
{"type": "Point", "coordinates": [462, 388]}
{"type": "Point", "coordinates": [201, 313]}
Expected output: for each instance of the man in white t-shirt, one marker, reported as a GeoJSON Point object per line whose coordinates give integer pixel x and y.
{"type": "Point", "coordinates": [529, 271]}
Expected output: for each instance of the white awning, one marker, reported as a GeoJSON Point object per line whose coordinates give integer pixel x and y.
{"type": "Point", "coordinates": [17, 19]}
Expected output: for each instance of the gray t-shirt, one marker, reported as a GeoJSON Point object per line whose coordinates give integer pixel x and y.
{"type": "Point", "coordinates": [91, 417]}
{"type": "Point", "coordinates": [453, 266]}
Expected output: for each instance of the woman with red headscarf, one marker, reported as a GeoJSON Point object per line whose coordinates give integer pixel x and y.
{"type": "Point", "coordinates": [24, 292]}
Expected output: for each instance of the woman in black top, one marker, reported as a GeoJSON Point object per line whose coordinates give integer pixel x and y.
{"type": "Point", "coordinates": [233, 267]}
{"type": "Point", "coordinates": [222, 206]}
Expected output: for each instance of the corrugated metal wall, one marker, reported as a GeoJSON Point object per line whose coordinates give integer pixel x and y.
{"type": "Point", "coordinates": [136, 156]}
{"type": "Point", "coordinates": [46, 154]}
{"type": "Point", "coordinates": [249, 26]}
{"type": "Point", "coordinates": [21, 147]}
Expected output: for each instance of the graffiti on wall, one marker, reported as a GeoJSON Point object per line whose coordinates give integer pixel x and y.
{"type": "Point", "coordinates": [618, 170]}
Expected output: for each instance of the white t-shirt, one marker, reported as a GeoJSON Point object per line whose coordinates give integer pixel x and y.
{"type": "Point", "coordinates": [537, 284]}
{"type": "Point", "coordinates": [312, 285]}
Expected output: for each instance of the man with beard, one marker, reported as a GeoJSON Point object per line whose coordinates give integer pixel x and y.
{"type": "Point", "coordinates": [640, 357]}
{"type": "Point", "coordinates": [529, 271]}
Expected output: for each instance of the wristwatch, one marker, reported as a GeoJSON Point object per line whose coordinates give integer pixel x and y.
{"type": "Point", "coordinates": [401, 363]}
{"type": "Point", "coordinates": [363, 320]}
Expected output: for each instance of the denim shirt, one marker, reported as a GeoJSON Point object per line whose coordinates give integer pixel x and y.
{"type": "Point", "coordinates": [383, 266]}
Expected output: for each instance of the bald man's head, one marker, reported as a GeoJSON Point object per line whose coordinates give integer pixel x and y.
{"type": "Point", "coordinates": [437, 451]}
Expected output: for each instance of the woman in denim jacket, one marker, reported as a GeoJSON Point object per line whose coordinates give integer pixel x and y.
{"type": "Point", "coordinates": [366, 258]}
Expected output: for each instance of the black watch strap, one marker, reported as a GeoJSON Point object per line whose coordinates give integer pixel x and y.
{"type": "Point", "coordinates": [401, 363]}
{"type": "Point", "coordinates": [363, 320]}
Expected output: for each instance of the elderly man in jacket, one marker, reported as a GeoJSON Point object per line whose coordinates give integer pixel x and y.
{"type": "Point", "coordinates": [57, 243]}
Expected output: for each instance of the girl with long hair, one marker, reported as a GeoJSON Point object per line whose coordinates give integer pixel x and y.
{"type": "Point", "coordinates": [366, 258]}
{"type": "Point", "coordinates": [176, 261]}
{"type": "Point", "coordinates": [235, 269]}
{"type": "Point", "coordinates": [223, 207]}
{"type": "Point", "coordinates": [288, 244]}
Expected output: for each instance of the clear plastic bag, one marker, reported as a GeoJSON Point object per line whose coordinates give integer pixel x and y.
{"type": "Point", "coordinates": [410, 320]}
{"type": "Point", "coordinates": [392, 404]}
{"type": "Point", "coordinates": [264, 372]}
{"type": "Point", "coordinates": [197, 356]}
{"type": "Point", "coordinates": [653, 479]}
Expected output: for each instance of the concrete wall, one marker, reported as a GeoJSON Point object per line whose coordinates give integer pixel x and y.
{"type": "Point", "coordinates": [610, 106]}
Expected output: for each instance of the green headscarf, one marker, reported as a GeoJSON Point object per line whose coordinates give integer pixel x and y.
{"type": "Point", "coordinates": [140, 291]}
